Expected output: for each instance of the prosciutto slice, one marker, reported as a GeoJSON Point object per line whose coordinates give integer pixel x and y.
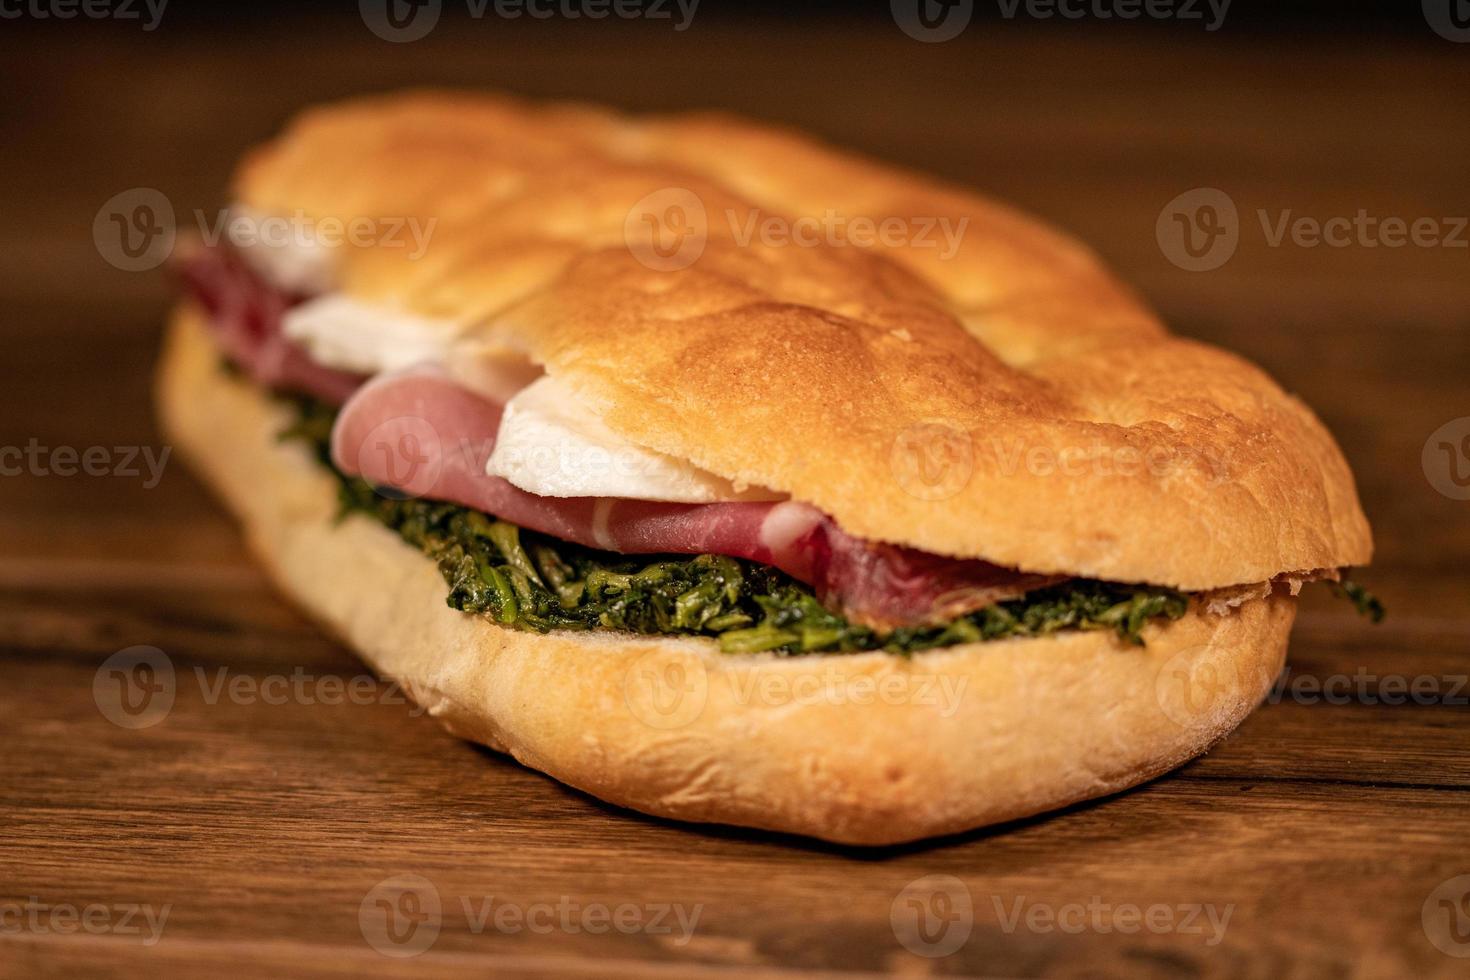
{"type": "Point", "coordinates": [245, 311]}
{"type": "Point", "coordinates": [418, 433]}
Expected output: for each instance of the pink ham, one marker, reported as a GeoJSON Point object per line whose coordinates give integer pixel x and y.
{"type": "Point", "coordinates": [420, 434]}
{"type": "Point", "coordinates": [245, 313]}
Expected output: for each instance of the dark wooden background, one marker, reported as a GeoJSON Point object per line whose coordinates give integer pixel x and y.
{"type": "Point", "coordinates": [1324, 827]}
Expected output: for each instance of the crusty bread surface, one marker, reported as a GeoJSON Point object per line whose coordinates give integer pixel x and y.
{"type": "Point", "coordinates": [992, 394]}
{"type": "Point", "coordinates": [862, 749]}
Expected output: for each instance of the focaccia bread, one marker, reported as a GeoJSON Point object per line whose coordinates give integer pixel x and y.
{"type": "Point", "coordinates": [811, 362]}
{"type": "Point", "coordinates": [623, 257]}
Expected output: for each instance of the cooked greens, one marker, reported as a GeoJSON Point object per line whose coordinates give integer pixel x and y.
{"type": "Point", "coordinates": [530, 581]}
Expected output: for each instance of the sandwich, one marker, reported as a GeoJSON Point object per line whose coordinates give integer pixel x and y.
{"type": "Point", "coordinates": [670, 456]}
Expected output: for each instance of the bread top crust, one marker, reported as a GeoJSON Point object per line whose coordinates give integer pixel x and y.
{"type": "Point", "coordinates": [1009, 401]}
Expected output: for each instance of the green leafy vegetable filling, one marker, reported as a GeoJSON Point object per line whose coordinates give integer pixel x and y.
{"type": "Point", "coordinates": [531, 581]}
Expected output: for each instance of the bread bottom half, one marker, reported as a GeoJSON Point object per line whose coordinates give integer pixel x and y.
{"type": "Point", "coordinates": [864, 749]}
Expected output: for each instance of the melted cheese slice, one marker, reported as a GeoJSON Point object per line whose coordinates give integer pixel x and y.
{"type": "Point", "coordinates": [551, 445]}
{"type": "Point", "coordinates": [343, 333]}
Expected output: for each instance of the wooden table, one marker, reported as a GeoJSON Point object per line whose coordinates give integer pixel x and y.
{"type": "Point", "coordinates": [1321, 829]}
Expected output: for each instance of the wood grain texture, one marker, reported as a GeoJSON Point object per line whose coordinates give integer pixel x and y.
{"type": "Point", "coordinates": [1322, 827]}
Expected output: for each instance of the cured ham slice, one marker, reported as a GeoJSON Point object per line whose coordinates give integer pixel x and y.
{"type": "Point", "coordinates": [245, 311]}
{"type": "Point", "coordinates": [420, 434]}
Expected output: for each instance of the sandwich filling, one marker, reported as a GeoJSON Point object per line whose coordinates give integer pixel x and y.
{"type": "Point", "coordinates": [542, 518]}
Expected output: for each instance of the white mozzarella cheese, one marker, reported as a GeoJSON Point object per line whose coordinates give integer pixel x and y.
{"type": "Point", "coordinates": [551, 445]}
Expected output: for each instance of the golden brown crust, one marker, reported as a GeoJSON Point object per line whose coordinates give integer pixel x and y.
{"type": "Point", "coordinates": [1010, 401]}
{"type": "Point", "coordinates": [864, 749]}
